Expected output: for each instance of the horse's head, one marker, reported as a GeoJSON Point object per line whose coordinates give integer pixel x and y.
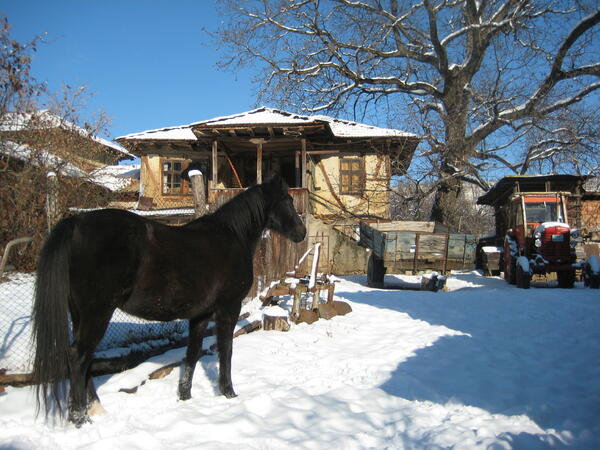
{"type": "Point", "coordinates": [282, 216]}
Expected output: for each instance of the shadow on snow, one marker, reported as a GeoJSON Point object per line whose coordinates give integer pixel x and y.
{"type": "Point", "coordinates": [529, 352]}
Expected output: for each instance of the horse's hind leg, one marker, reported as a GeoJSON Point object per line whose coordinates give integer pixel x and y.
{"type": "Point", "coordinates": [225, 323]}
{"type": "Point", "coordinates": [86, 338]}
{"type": "Point", "coordinates": [197, 327]}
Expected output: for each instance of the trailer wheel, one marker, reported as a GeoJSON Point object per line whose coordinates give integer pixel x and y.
{"type": "Point", "coordinates": [566, 279]}
{"type": "Point", "coordinates": [375, 272]}
{"type": "Point", "coordinates": [523, 279]}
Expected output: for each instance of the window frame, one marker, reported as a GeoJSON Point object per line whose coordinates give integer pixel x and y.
{"type": "Point", "coordinates": [183, 188]}
{"type": "Point", "coordinates": [351, 188]}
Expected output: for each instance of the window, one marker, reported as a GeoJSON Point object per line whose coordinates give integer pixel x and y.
{"type": "Point", "coordinates": [352, 176]}
{"type": "Point", "coordinates": [172, 182]}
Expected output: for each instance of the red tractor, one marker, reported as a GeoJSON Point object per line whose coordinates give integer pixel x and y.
{"type": "Point", "coordinates": [535, 232]}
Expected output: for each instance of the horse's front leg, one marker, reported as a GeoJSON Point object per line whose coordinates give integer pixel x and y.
{"type": "Point", "coordinates": [197, 328]}
{"type": "Point", "coordinates": [225, 323]}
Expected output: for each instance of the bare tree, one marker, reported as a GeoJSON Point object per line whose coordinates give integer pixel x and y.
{"type": "Point", "coordinates": [481, 78]}
{"type": "Point", "coordinates": [39, 132]}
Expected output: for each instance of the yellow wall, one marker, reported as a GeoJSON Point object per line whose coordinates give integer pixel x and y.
{"type": "Point", "coordinates": [374, 201]}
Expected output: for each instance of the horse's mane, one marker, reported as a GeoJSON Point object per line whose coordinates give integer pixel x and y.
{"type": "Point", "coordinates": [243, 214]}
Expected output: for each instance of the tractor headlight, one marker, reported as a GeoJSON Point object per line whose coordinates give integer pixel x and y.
{"type": "Point", "coordinates": [537, 235]}
{"type": "Point", "coordinates": [538, 242]}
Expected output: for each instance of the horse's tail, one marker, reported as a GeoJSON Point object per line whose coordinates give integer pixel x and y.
{"type": "Point", "coordinates": [50, 328]}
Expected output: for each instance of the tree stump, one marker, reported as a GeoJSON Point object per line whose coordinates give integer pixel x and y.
{"type": "Point", "coordinates": [275, 323]}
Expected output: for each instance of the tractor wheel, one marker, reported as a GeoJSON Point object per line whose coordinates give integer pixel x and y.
{"type": "Point", "coordinates": [523, 279]}
{"type": "Point", "coordinates": [594, 281]}
{"type": "Point", "coordinates": [375, 272]}
{"type": "Point", "coordinates": [566, 279]}
{"type": "Point", "coordinates": [509, 263]}
{"type": "Point", "coordinates": [510, 269]}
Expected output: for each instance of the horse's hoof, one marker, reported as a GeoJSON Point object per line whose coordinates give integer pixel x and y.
{"type": "Point", "coordinates": [185, 396]}
{"type": "Point", "coordinates": [79, 419]}
{"type": "Point", "coordinates": [229, 393]}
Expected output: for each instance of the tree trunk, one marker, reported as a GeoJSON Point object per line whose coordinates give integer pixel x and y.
{"type": "Point", "coordinates": [447, 208]}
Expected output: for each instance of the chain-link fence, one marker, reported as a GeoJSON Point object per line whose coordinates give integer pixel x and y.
{"type": "Point", "coordinates": [125, 333]}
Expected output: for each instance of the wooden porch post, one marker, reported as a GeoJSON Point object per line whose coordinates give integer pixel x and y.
{"type": "Point", "coordinates": [197, 181]}
{"type": "Point", "coordinates": [214, 165]}
{"type": "Point", "coordinates": [303, 162]}
{"type": "Point", "coordinates": [259, 154]}
{"type": "Point", "coordinates": [298, 169]}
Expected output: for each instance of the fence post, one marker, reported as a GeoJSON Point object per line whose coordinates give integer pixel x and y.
{"type": "Point", "coordinates": [197, 181]}
{"type": "Point", "coordinates": [52, 207]}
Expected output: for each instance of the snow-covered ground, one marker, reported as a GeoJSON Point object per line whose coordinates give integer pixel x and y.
{"type": "Point", "coordinates": [484, 365]}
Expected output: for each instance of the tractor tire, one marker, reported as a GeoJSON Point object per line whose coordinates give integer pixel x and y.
{"type": "Point", "coordinates": [509, 264]}
{"type": "Point", "coordinates": [375, 272]}
{"type": "Point", "coordinates": [566, 279]}
{"type": "Point", "coordinates": [510, 270]}
{"type": "Point", "coordinates": [591, 280]}
{"type": "Point", "coordinates": [523, 279]}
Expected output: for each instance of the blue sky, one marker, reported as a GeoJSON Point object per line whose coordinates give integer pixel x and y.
{"type": "Point", "coordinates": [148, 63]}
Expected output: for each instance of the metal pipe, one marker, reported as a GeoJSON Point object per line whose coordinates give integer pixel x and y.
{"type": "Point", "coordinates": [8, 248]}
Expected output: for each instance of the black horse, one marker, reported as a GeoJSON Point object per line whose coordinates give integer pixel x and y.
{"type": "Point", "coordinates": [98, 261]}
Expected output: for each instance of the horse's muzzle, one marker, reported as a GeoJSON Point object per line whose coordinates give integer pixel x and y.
{"type": "Point", "coordinates": [298, 233]}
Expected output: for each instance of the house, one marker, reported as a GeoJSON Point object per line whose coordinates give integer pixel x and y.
{"type": "Point", "coordinates": [57, 136]}
{"type": "Point", "coordinates": [338, 171]}
{"type": "Point", "coordinates": [34, 144]}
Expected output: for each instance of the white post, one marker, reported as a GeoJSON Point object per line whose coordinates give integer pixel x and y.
{"type": "Point", "coordinates": [197, 182]}
{"type": "Point", "coordinates": [52, 208]}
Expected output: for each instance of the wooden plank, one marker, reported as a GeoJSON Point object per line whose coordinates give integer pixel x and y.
{"type": "Point", "coordinates": [398, 225]}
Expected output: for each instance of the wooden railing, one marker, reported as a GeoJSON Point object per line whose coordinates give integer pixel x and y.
{"type": "Point", "coordinates": [217, 197]}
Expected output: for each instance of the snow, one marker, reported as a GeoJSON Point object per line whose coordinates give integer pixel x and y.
{"type": "Point", "coordinates": [194, 172]}
{"type": "Point", "coordinates": [116, 177]}
{"type": "Point", "coordinates": [180, 133]}
{"type": "Point", "coordinates": [483, 365]}
{"type": "Point", "coordinates": [491, 249]}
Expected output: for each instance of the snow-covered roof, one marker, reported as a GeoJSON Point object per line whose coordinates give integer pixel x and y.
{"type": "Point", "coordinates": [113, 178]}
{"type": "Point", "coordinates": [180, 133]}
{"type": "Point", "coordinates": [269, 116]}
{"type": "Point", "coordinates": [345, 128]}
{"type": "Point", "coordinates": [339, 127]}
{"type": "Point", "coordinates": [45, 159]}
{"type": "Point", "coordinates": [46, 119]}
